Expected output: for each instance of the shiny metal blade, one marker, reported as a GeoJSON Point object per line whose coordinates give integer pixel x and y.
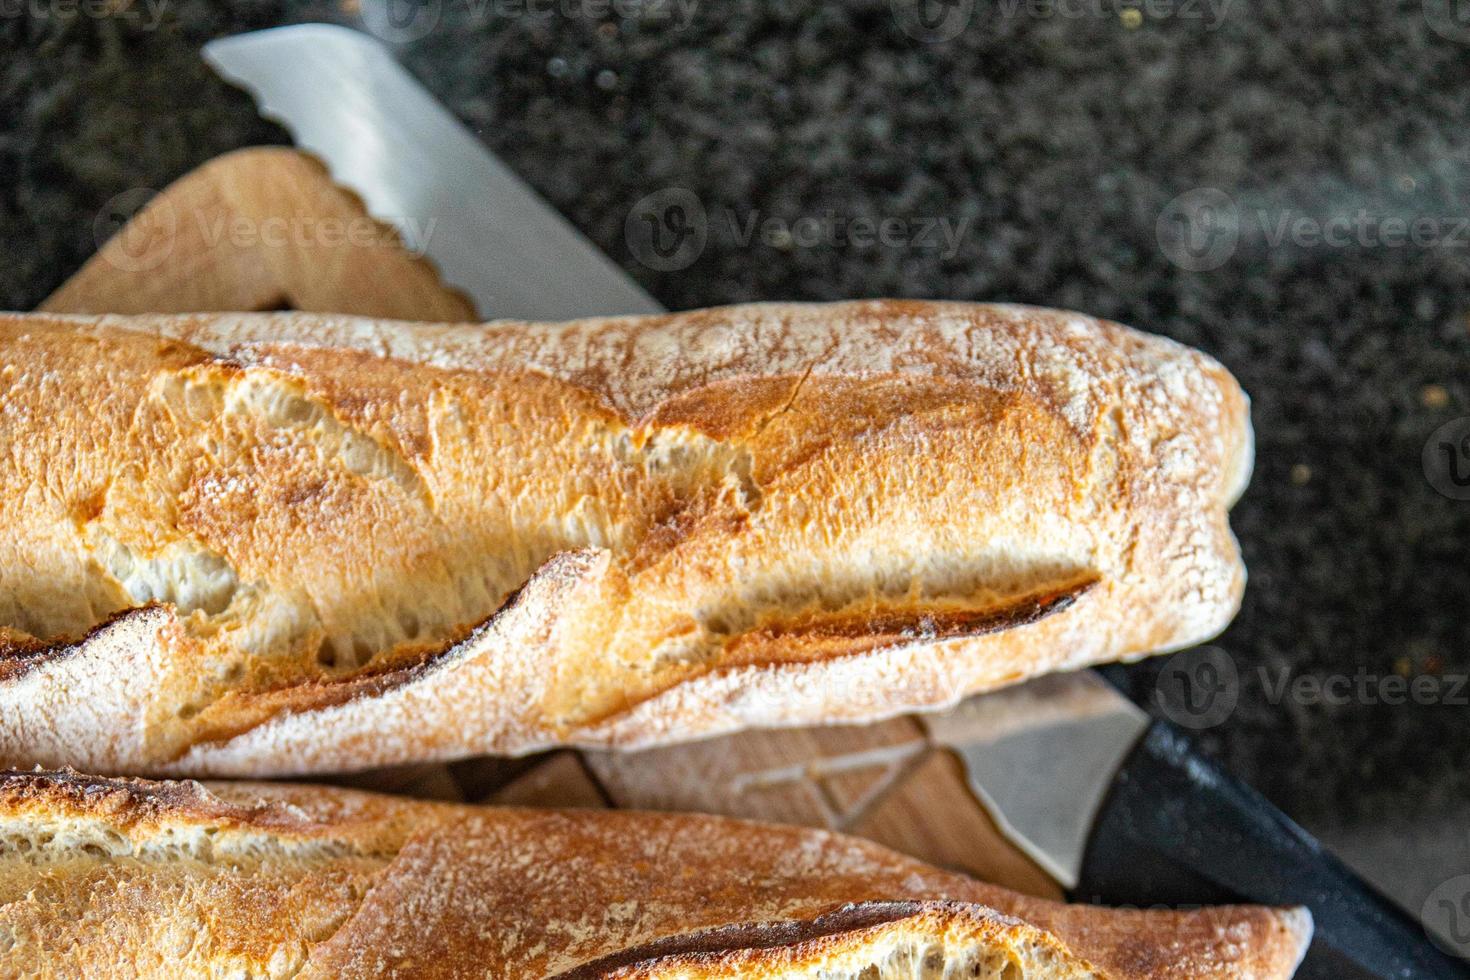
{"type": "Point", "coordinates": [344, 98]}
{"type": "Point", "coordinates": [1041, 757]}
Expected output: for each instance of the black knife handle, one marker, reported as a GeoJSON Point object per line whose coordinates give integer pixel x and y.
{"type": "Point", "coordinates": [1175, 829]}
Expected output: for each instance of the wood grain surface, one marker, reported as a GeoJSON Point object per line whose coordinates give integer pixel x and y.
{"type": "Point", "coordinates": [259, 229]}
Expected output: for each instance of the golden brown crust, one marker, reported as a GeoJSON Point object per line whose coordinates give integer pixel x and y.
{"type": "Point", "coordinates": [898, 939]}
{"type": "Point", "coordinates": [107, 878]}
{"type": "Point", "coordinates": [265, 544]}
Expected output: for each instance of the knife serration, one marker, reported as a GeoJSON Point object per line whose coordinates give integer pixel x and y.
{"type": "Point", "coordinates": [345, 99]}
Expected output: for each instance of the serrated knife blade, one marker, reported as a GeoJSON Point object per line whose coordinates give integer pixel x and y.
{"type": "Point", "coordinates": [345, 99]}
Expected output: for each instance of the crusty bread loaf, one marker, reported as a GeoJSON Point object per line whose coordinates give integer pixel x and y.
{"type": "Point", "coordinates": [124, 878]}
{"type": "Point", "coordinates": [255, 544]}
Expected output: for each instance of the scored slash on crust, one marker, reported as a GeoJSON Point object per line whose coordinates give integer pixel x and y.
{"type": "Point", "coordinates": [249, 875]}
{"type": "Point", "coordinates": [709, 532]}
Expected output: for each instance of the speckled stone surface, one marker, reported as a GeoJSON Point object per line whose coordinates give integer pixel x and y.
{"type": "Point", "coordinates": [1051, 139]}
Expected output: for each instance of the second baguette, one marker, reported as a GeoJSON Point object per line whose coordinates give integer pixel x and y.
{"type": "Point", "coordinates": [107, 878]}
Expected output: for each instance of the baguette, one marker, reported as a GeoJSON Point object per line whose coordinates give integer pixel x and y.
{"type": "Point", "coordinates": [127, 878]}
{"type": "Point", "coordinates": [267, 544]}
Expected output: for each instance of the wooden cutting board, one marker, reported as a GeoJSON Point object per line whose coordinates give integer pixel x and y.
{"type": "Point", "coordinates": [257, 229]}
{"type": "Point", "coordinates": [266, 229]}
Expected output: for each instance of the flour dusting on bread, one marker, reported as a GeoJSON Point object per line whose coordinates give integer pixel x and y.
{"type": "Point", "coordinates": [129, 878]}
{"type": "Point", "coordinates": [317, 542]}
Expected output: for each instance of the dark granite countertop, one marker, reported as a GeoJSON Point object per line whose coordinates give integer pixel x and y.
{"type": "Point", "coordinates": [1320, 249]}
